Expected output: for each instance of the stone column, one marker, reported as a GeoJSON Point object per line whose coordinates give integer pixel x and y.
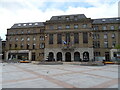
{"type": "Point", "coordinates": [7, 55]}
{"type": "Point", "coordinates": [63, 56]}
{"type": "Point", "coordinates": [72, 56]}
{"type": "Point", "coordinates": [29, 54]}
{"type": "Point", "coordinates": [81, 55]}
{"type": "Point", "coordinates": [55, 56]}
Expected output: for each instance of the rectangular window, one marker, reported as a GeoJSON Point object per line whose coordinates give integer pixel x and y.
{"type": "Point", "coordinates": [106, 44]}
{"type": "Point", "coordinates": [15, 45]}
{"type": "Point", "coordinates": [113, 43]}
{"type": "Point", "coordinates": [67, 37]}
{"type": "Point", "coordinates": [34, 46]}
{"type": "Point", "coordinates": [42, 38]}
{"type": "Point", "coordinates": [113, 35]}
{"type": "Point", "coordinates": [96, 44]}
{"type": "Point", "coordinates": [34, 38]}
{"type": "Point", "coordinates": [59, 38]}
{"type": "Point", "coordinates": [41, 31]}
{"type": "Point", "coordinates": [95, 28]}
{"type": "Point", "coordinates": [105, 36]}
{"type": "Point", "coordinates": [50, 38]}
{"type": "Point", "coordinates": [96, 53]}
{"type": "Point", "coordinates": [104, 28]}
{"type": "Point", "coordinates": [85, 37]}
{"type": "Point", "coordinates": [76, 38]}
{"type": "Point", "coordinates": [67, 26]}
{"type": "Point", "coordinates": [84, 26]}
{"type": "Point", "coordinates": [119, 27]}
{"type": "Point", "coordinates": [21, 46]}
{"type": "Point", "coordinates": [42, 45]}
{"type": "Point", "coordinates": [22, 39]}
{"type": "Point", "coordinates": [10, 45]}
{"type": "Point", "coordinates": [28, 39]}
{"type": "Point", "coordinates": [59, 27]}
{"type": "Point", "coordinates": [112, 27]}
{"type": "Point", "coordinates": [75, 26]}
{"type": "Point", "coordinates": [28, 45]}
{"type": "Point", "coordinates": [51, 27]}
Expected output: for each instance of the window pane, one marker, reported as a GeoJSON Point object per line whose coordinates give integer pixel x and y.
{"type": "Point", "coordinates": [76, 26]}
{"type": "Point", "coordinates": [112, 27]}
{"type": "Point", "coordinates": [85, 37]}
{"type": "Point", "coordinates": [67, 37]}
{"type": "Point", "coordinates": [76, 38]}
{"type": "Point", "coordinates": [104, 27]}
{"type": "Point", "coordinates": [59, 38]}
{"type": "Point", "coordinates": [50, 38]}
{"type": "Point", "coordinates": [67, 26]}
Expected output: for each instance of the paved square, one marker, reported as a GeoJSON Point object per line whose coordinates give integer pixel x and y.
{"type": "Point", "coordinates": [27, 75]}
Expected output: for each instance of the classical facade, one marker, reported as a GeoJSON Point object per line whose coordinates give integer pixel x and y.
{"type": "Point", "coordinates": [64, 38]}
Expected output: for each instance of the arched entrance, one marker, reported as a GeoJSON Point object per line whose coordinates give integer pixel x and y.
{"type": "Point", "coordinates": [68, 57]}
{"type": "Point", "coordinates": [59, 56]}
{"type": "Point", "coordinates": [77, 56]}
{"type": "Point", "coordinates": [86, 56]}
{"type": "Point", "coordinates": [51, 56]}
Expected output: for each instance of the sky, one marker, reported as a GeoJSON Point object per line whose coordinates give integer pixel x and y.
{"type": "Point", "coordinates": [23, 11]}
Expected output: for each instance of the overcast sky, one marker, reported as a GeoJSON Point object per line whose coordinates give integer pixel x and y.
{"type": "Point", "coordinates": [22, 11]}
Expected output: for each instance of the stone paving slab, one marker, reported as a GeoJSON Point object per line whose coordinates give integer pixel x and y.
{"type": "Point", "coordinates": [27, 75]}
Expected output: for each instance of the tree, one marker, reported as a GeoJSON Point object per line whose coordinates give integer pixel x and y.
{"type": "Point", "coordinates": [118, 49]}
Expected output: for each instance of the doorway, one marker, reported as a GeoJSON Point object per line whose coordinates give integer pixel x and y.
{"type": "Point", "coordinates": [68, 57]}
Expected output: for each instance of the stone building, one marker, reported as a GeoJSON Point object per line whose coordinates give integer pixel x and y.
{"type": "Point", "coordinates": [0, 49]}
{"type": "Point", "coordinates": [64, 38]}
{"type": "Point", "coordinates": [25, 41]}
{"type": "Point", "coordinates": [68, 38]}
{"type": "Point", "coordinates": [3, 49]}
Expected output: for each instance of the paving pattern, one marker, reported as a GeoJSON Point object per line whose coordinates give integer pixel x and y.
{"type": "Point", "coordinates": [27, 75]}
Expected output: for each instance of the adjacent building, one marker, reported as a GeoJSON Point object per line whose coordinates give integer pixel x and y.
{"type": "Point", "coordinates": [0, 49]}
{"type": "Point", "coordinates": [64, 38]}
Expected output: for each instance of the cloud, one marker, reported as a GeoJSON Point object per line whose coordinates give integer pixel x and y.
{"type": "Point", "coordinates": [20, 11]}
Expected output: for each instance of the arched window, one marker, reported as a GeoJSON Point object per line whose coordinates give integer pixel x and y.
{"type": "Point", "coordinates": [59, 56]}
{"type": "Point", "coordinates": [85, 56]}
{"type": "Point", "coordinates": [77, 56]}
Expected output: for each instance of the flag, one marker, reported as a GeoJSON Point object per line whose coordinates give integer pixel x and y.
{"type": "Point", "coordinates": [64, 42]}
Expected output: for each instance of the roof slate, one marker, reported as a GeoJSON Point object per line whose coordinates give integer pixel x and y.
{"type": "Point", "coordinates": [26, 25]}
{"type": "Point", "coordinates": [63, 17]}
{"type": "Point", "coordinates": [106, 20]}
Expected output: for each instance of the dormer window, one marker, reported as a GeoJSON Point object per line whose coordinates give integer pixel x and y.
{"type": "Point", "coordinates": [36, 23]}
{"type": "Point", "coordinates": [24, 24]}
{"type": "Point", "coordinates": [75, 18]}
{"type": "Point", "coordinates": [19, 24]}
{"type": "Point", "coordinates": [30, 24]}
{"type": "Point", "coordinates": [67, 18]}
{"type": "Point", "coordinates": [103, 20]}
{"type": "Point", "coordinates": [59, 18]}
